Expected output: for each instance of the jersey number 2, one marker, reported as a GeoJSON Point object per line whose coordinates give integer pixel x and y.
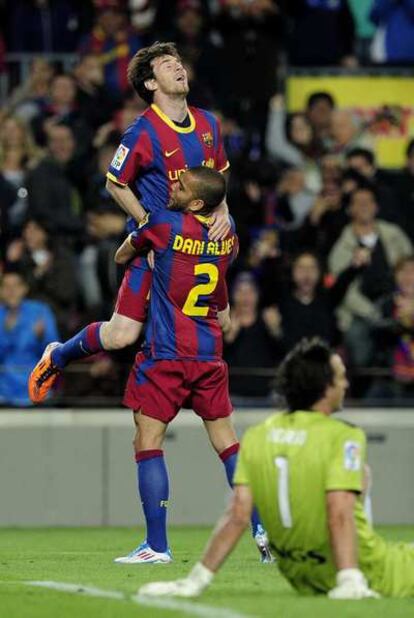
{"type": "Point", "coordinates": [282, 466]}
{"type": "Point", "coordinates": [203, 289]}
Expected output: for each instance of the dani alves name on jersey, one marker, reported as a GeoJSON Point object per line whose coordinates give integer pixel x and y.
{"type": "Point", "coordinates": [192, 246]}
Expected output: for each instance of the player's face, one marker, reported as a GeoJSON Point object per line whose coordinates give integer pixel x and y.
{"type": "Point", "coordinates": [170, 75]}
{"type": "Point", "coordinates": [181, 193]}
{"type": "Point", "coordinates": [340, 383]}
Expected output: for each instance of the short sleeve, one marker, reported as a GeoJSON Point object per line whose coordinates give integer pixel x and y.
{"type": "Point", "coordinates": [221, 161]}
{"type": "Point", "coordinates": [133, 154]}
{"type": "Point", "coordinates": [241, 474]}
{"type": "Point", "coordinates": [153, 232]}
{"type": "Point", "coordinates": [347, 463]}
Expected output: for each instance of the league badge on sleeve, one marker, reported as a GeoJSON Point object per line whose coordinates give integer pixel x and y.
{"type": "Point", "coordinates": [119, 158]}
{"type": "Point", "coordinates": [352, 456]}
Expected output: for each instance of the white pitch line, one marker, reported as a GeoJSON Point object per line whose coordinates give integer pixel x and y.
{"type": "Point", "coordinates": [88, 591]}
{"type": "Point", "coordinates": [185, 607]}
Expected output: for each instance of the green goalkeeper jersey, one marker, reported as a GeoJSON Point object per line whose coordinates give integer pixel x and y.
{"type": "Point", "coordinates": [290, 461]}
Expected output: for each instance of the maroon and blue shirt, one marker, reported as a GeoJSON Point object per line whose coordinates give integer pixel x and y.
{"type": "Point", "coordinates": [188, 285]}
{"type": "Point", "coordinates": [154, 151]}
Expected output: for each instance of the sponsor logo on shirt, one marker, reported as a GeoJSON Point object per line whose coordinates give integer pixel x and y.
{"type": "Point", "coordinates": [352, 456]}
{"type": "Point", "coordinates": [119, 158]}
{"type": "Point", "coordinates": [174, 175]}
{"type": "Point", "coordinates": [169, 153]}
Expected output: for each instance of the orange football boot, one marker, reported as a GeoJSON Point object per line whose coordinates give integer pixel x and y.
{"type": "Point", "coordinates": [43, 375]}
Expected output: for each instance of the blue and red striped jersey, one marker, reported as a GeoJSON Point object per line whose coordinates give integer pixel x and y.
{"type": "Point", "coordinates": [188, 285]}
{"type": "Point", "coordinates": [154, 151]}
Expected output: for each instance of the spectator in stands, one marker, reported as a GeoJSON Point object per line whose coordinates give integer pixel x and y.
{"type": "Point", "coordinates": [346, 134]}
{"type": "Point", "coordinates": [326, 219]}
{"type": "Point", "coordinates": [189, 35]}
{"type": "Point", "coordinates": [362, 160]}
{"type": "Point", "coordinates": [404, 190]}
{"type": "Point", "coordinates": [322, 33]}
{"type": "Point", "coordinates": [18, 154]}
{"type": "Point", "coordinates": [62, 107]}
{"type": "Point", "coordinates": [395, 333]}
{"type": "Point", "coordinates": [290, 140]}
{"type": "Point", "coordinates": [266, 261]}
{"type": "Point", "coordinates": [319, 109]}
{"type": "Point", "coordinates": [142, 15]}
{"type": "Point", "coordinates": [364, 29]}
{"type": "Point", "coordinates": [385, 243]}
{"type": "Point", "coordinates": [307, 307]}
{"type": "Point", "coordinates": [114, 42]}
{"type": "Point", "coordinates": [26, 327]}
{"type": "Point", "coordinates": [49, 268]}
{"type": "Point", "coordinates": [95, 106]}
{"type": "Point", "coordinates": [28, 99]}
{"type": "Point", "coordinates": [394, 40]}
{"type": "Point", "coordinates": [53, 196]}
{"type": "Point", "coordinates": [250, 37]}
{"type": "Point", "coordinates": [252, 341]}
{"type": "Point", "coordinates": [105, 224]}
{"type": "Point", "coordinates": [44, 25]}
{"type": "Point", "coordinates": [294, 199]}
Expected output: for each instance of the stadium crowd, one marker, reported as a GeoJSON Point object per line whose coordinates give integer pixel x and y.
{"type": "Point", "coordinates": [326, 237]}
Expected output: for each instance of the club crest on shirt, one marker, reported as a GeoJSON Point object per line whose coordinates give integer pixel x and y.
{"type": "Point", "coordinates": [119, 158]}
{"type": "Point", "coordinates": [352, 456]}
{"type": "Point", "coordinates": [207, 139]}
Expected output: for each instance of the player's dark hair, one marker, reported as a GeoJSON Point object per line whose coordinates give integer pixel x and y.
{"type": "Point", "coordinates": [210, 187]}
{"type": "Point", "coordinates": [315, 97]}
{"type": "Point", "coordinates": [140, 67]}
{"type": "Point", "coordinates": [305, 374]}
{"type": "Point", "coordinates": [366, 154]}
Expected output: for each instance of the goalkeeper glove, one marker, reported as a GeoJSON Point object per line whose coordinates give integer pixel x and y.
{"type": "Point", "coordinates": [193, 585]}
{"type": "Point", "coordinates": [351, 584]}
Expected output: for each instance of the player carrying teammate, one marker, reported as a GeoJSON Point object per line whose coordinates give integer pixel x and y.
{"type": "Point", "coordinates": [181, 363]}
{"type": "Point", "coordinates": [168, 138]}
{"type": "Point", "coordinates": [304, 471]}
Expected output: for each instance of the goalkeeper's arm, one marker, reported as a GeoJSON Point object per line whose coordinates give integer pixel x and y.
{"type": "Point", "coordinates": [350, 581]}
{"type": "Point", "coordinates": [224, 539]}
{"type": "Point", "coordinates": [229, 528]}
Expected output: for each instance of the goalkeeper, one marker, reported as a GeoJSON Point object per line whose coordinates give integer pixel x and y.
{"type": "Point", "coordinates": [304, 470]}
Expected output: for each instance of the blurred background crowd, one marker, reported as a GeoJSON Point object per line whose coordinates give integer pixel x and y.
{"type": "Point", "coordinates": [326, 232]}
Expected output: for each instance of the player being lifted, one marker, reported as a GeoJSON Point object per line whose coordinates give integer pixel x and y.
{"type": "Point", "coordinates": [181, 362]}
{"type": "Point", "coordinates": [168, 138]}
{"type": "Point", "coordinates": [305, 472]}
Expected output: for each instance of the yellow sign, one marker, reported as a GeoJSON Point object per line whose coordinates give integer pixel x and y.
{"type": "Point", "coordinates": [384, 105]}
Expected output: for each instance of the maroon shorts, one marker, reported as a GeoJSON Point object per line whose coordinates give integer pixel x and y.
{"type": "Point", "coordinates": [133, 294]}
{"type": "Point", "coordinates": [160, 388]}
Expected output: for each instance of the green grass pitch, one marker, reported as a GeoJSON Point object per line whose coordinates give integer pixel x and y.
{"type": "Point", "coordinates": [84, 556]}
